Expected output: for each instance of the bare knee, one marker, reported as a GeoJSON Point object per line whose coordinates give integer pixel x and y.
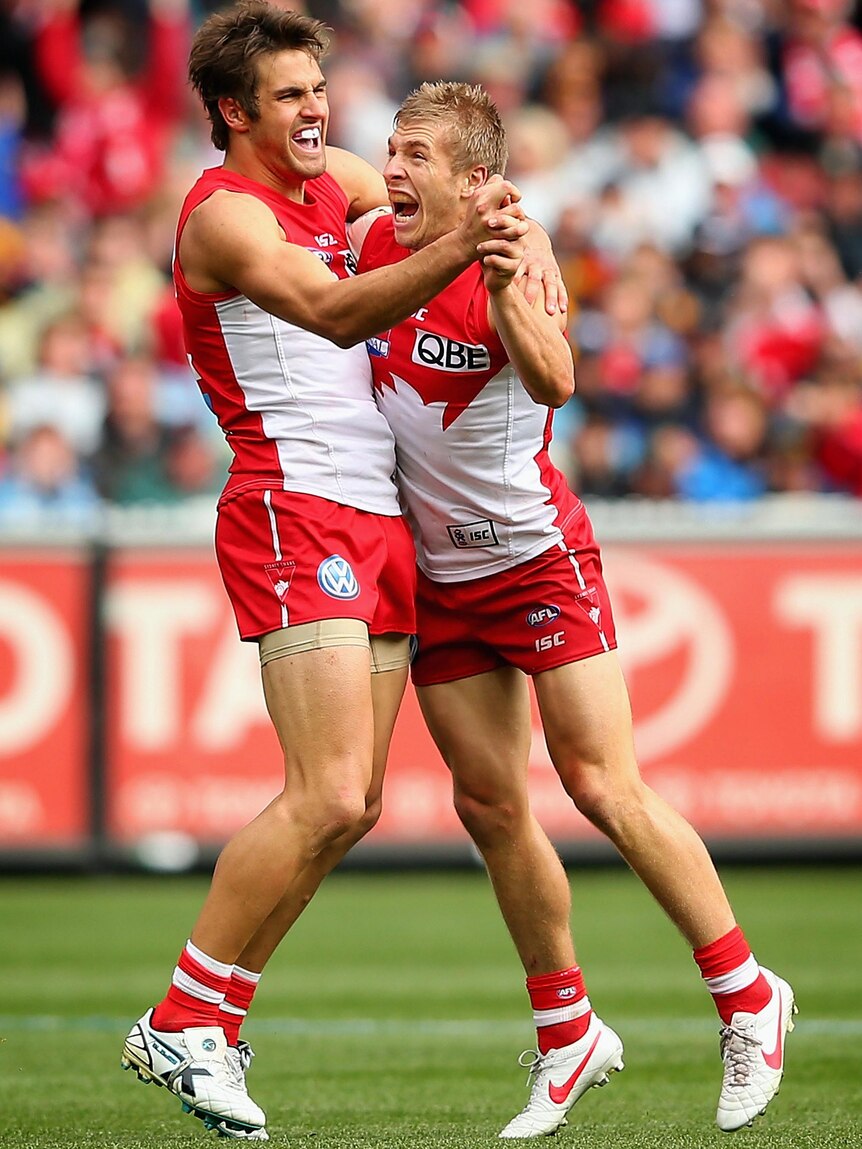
{"type": "Point", "coordinates": [358, 821]}
{"type": "Point", "coordinates": [488, 819]}
{"type": "Point", "coordinates": [610, 805]}
{"type": "Point", "coordinates": [326, 814]}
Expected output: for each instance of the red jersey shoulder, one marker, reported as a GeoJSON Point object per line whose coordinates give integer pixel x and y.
{"type": "Point", "coordinates": [380, 248]}
{"type": "Point", "coordinates": [319, 223]}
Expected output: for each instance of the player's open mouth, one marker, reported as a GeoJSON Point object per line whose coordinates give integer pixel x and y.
{"type": "Point", "coordinates": [403, 206]}
{"type": "Point", "coordinates": [308, 140]}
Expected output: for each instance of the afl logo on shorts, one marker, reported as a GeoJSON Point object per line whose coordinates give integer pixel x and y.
{"type": "Point", "coordinates": [335, 577]}
{"type": "Point", "coordinates": [542, 615]}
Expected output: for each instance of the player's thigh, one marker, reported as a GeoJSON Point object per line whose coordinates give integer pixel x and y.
{"type": "Point", "coordinates": [482, 727]}
{"type": "Point", "coordinates": [586, 716]}
{"type": "Point", "coordinates": [320, 703]}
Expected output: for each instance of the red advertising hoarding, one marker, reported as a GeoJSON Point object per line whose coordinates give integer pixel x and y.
{"type": "Point", "coordinates": [44, 713]}
{"type": "Point", "coordinates": [744, 663]}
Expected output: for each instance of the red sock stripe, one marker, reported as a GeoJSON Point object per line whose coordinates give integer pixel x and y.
{"type": "Point", "coordinates": [550, 1037]}
{"type": "Point", "coordinates": [724, 955]}
{"type": "Point", "coordinates": [180, 1010]}
{"type": "Point", "coordinates": [752, 999]}
{"type": "Point", "coordinates": [200, 973]}
{"type": "Point", "coordinates": [551, 990]}
{"type": "Point", "coordinates": [240, 991]}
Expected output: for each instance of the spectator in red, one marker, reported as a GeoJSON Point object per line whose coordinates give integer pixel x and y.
{"type": "Point", "coordinates": [545, 20]}
{"type": "Point", "coordinates": [831, 408]}
{"type": "Point", "coordinates": [113, 130]}
{"type": "Point", "coordinates": [776, 331]}
{"type": "Point", "coordinates": [822, 59]}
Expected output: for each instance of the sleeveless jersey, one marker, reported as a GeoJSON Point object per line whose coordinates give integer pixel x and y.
{"type": "Point", "coordinates": [472, 447]}
{"type": "Point", "coordinates": [297, 411]}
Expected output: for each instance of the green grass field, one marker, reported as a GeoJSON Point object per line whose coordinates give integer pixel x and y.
{"type": "Point", "coordinates": [394, 1013]}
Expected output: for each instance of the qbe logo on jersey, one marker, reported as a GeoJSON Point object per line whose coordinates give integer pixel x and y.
{"type": "Point", "coordinates": [335, 577]}
{"type": "Point", "coordinates": [432, 350]}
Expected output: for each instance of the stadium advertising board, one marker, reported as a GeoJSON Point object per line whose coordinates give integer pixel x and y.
{"type": "Point", "coordinates": [44, 711]}
{"type": "Point", "coordinates": [744, 663]}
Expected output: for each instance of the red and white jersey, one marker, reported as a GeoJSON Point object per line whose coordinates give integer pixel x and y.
{"type": "Point", "coordinates": [480, 491]}
{"type": "Point", "coordinates": [297, 411]}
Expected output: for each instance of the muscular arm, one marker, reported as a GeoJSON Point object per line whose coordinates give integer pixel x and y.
{"type": "Point", "coordinates": [233, 241]}
{"type": "Point", "coordinates": [363, 184]}
{"type": "Point", "coordinates": [535, 343]}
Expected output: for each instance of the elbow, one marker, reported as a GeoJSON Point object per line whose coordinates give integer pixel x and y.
{"type": "Point", "coordinates": [344, 339]}
{"type": "Point", "coordinates": [553, 389]}
{"type": "Point", "coordinates": [562, 391]}
{"type": "Point", "coordinates": [558, 400]}
{"type": "Point", "coordinates": [339, 330]}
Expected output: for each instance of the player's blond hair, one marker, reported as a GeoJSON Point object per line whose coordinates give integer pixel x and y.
{"type": "Point", "coordinates": [227, 47]}
{"type": "Point", "coordinates": [474, 130]}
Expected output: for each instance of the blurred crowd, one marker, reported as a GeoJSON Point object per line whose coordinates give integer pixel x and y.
{"type": "Point", "coordinates": [698, 164]}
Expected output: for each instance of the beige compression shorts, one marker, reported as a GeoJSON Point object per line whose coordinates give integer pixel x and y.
{"type": "Point", "coordinates": [388, 651]}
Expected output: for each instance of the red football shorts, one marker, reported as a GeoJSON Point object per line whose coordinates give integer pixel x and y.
{"type": "Point", "coordinates": [543, 613]}
{"type": "Point", "coordinates": [289, 558]}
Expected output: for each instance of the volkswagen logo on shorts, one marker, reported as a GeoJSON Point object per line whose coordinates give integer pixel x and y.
{"type": "Point", "coordinates": [335, 577]}
{"type": "Point", "coordinates": [542, 615]}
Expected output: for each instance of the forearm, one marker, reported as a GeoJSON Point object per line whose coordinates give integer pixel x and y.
{"type": "Point", "coordinates": [537, 349]}
{"type": "Point", "coordinates": [355, 309]}
{"type": "Point", "coordinates": [233, 241]}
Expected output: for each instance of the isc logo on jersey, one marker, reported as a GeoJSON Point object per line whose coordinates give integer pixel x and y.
{"type": "Point", "coordinates": [479, 534]}
{"type": "Point", "coordinates": [441, 354]}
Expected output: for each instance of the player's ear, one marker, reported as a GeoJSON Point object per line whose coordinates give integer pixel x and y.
{"type": "Point", "coordinates": [474, 178]}
{"type": "Point", "coordinates": [233, 114]}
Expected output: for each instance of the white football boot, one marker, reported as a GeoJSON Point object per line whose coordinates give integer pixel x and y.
{"type": "Point", "coordinates": [562, 1076]}
{"type": "Point", "coordinates": [752, 1048]}
{"type": "Point", "coordinates": [194, 1065]}
{"type": "Point", "coordinates": [239, 1059]}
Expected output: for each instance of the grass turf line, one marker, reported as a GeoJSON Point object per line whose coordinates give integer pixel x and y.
{"type": "Point", "coordinates": [374, 952]}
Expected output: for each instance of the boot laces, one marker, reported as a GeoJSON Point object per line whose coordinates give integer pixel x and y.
{"type": "Point", "coordinates": [738, 1047]}
{"type": "Point", "coordinates": [246, 1054]}
{"type": "Point", "coordinates": [532, 1061]}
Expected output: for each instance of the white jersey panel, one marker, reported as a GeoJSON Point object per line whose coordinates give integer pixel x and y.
{"type": "Point", "coordinates": [474, 492]}
{"type": "Point", "coordinates": [316, 405]}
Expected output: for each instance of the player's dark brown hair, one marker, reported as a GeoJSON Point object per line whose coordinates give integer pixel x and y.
{"type": "Point", "coordinates": [474, 130]}
{"type": "Point", "coordinates": [228, 46]}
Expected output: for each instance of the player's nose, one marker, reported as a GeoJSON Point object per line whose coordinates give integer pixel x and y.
{"type": "Point", "coordinates": [393, 169]}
